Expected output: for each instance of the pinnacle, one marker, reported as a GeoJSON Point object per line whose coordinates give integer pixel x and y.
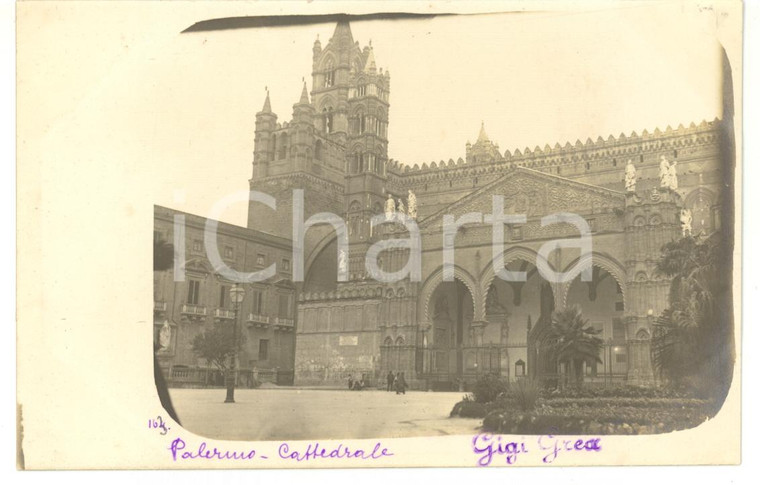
{"type": "Point", "coordinates": [267, 106]}
{"type": "Point", "coordinates": [482, 137]}
{"type": "Point", "coordinates": [370, 65]}
{"type": "Point", "coordinates": [342, 33]}
{"type": "Point", "coordinates": [304, 95]}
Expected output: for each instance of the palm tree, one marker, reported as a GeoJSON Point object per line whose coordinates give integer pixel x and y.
{"type": "Point", "coordinates": [573, 341]}
{"type": "Point", "coordinates": [693, 338]}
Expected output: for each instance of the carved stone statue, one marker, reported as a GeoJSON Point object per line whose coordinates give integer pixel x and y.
{"type": "Point", "coordinates": [673, 176]}
{"type": "Point", "coordinates": [492, 301]}
{"type": "Point", "coordinates": [630, 177]}
{"type": "Point", "coordinates": [664, 172]}
{"type": "Point", "coordinates": [342, 262]}
{"type": "Point", "coordinates": [401, 210]}
{"type": "Point", "coordinates": [390, 208]}
{"type": "Point", "coordinates": [686, 222]}
{"type": "Point", "coordinates": [412, 209]}
{"type": "Point", "coordinates": [165, 336]}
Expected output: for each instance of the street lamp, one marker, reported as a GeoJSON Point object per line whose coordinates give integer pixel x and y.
{"type": "Point", "coordinates": [237, 293]}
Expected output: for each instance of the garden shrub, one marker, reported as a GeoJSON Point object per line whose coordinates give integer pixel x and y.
{"type": "Point", "coordinates": [469, 409]}
{"type": "Point", "coordinates": [488, 387]}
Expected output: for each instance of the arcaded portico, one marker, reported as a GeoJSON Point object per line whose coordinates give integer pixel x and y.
{"type": "Point", "coordinates": [634, 192]}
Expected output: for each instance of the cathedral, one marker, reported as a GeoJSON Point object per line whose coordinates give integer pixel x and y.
{"type": "Point", "coordinates": [636, 192]}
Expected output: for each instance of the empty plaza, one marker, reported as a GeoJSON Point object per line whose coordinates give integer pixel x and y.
{"type": "Point", "coordinates": [294, 414]}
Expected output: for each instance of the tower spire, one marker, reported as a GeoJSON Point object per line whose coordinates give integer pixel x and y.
{"type": "Point", "coordinates": [370, 66]}
{"type": "Point", "coordinates": [342, 34]}
{"type": "Point", "coordinates": [482, 136]}
{"type": "Point", "coordinates": [267, 106]}
{"type": "Point", "coordinates": [304, 94]}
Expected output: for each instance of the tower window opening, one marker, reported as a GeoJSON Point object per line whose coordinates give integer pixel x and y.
{"type": "Point", "coordinates": [329, 74]}
{"type": "Point", "coordinates": [362, 90]}
{"type": "Point", "coordinates": [675, 153]}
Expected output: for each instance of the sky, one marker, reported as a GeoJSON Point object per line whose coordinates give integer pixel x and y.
{"type": "Point", "coordinates": [180, 111]}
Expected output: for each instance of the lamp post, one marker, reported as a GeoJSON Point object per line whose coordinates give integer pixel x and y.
{"type": "Point", "coordinates": [237, 293]}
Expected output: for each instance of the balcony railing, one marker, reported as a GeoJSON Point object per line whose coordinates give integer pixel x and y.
{"type": "Point", "coordinates": [159, 306]}
{"type": "Point", "coordinates": [257, 320]}
{"type": "Point", "coordinates": [196, 310]}
{"type": "Point", "coordinates": [283, 322]}
{"type": "Point", "coordinates": [223, 313]}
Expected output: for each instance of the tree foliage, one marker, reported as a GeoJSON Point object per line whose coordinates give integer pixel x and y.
{"type": "Point", "coordinates": [573, 341]}
{"type": "Point", "coordinates": [217, 344]}
{"type": "Point", "coordinates": [693, 340]}
{"type": "Point", "coordinates": [163, 255]}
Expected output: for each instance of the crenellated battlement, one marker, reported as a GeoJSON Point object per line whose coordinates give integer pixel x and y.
{"type": "Point", "coordinates": [597, 155]}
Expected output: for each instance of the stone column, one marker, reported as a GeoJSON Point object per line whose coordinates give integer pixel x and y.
{"type": "Point", "coordinates": [639, 351]}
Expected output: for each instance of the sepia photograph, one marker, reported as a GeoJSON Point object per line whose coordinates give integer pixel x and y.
{"type": "Point", "coordinates": [539, 243]}
{"type": "Point", "coordinates": [379, 235]}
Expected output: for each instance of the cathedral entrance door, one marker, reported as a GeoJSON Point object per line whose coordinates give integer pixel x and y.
{"type": "Point", "coordinates": [452, 306]}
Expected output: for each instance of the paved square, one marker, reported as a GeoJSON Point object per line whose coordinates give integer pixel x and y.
{"type": "Point", "coordinates": [302, 414]}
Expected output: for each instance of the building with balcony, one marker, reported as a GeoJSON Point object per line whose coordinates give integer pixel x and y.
{"type": "Point", "coordinates": [201, 300]}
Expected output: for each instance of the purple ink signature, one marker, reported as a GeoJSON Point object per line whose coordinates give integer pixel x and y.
{"type": "Point", "coordinates": [487, 446]}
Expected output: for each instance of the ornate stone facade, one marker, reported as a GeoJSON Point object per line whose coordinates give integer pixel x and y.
{"type": "Point", "coordinates": [441, 333]}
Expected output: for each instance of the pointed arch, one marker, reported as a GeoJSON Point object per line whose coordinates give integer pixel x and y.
{"type": "Point", "coordinates": [435, 279]}
{"type": "Point", "coordinates": [516, 253]}
{"type": "Point", "coordinates": [605, 262]}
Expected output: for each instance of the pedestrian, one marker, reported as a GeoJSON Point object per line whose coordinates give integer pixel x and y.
{"type": "Point", "coordinates": [350, 382]}
{"type": "Point", "coordinates": [400, 384]}
{"type": "Point", "coordinates": [390, 380]}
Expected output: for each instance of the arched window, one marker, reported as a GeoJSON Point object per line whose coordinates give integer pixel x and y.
{"type": "Point", "coordinates": [329, 74]}
{"type": "Point", "coordinates": [388, 341]}
{"type": "Point", "coordinates": [362, 90]}
{"type": "Point", "coordinates": [400, 340]}
{"type": "Point", "coordinates": [362, 123]}
{"type": "Point", "coordinates": [318, 150]}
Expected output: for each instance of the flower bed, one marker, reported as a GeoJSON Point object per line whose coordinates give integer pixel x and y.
{"type": "Point", "coordinates": [590, 420]}
{"type": "Point", "coordinates": [615, 402]}
{"type": "Point", "coordinates": [602, 415]}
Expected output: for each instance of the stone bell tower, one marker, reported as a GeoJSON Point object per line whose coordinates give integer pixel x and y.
{"type": "Point", "coordinates": [652, 219]}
